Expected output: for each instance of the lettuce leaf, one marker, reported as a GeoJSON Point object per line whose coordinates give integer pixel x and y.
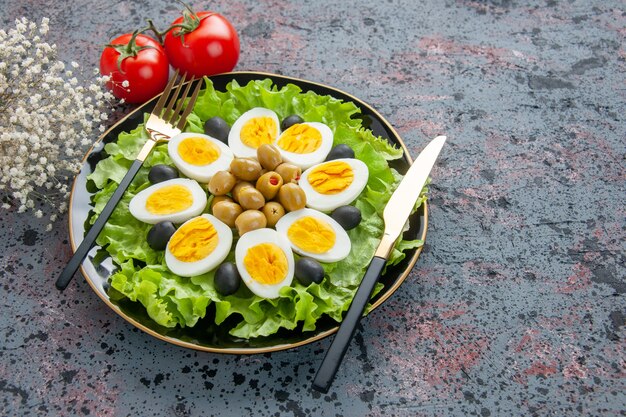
{"type": "Point", "coordinates": [171, 300]}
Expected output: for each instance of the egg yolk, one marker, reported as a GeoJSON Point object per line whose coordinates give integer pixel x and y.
{"type": "Point", "coordinates": [198, 151]}
{"type": "Point", "coordinates": [266, 263]}
{"type": "Point", "coordinates": [169, 199]}
{"type": "Point", "coordinates": [258, 131]}
{"type": "Point", "coordinates": [311, 235]}
{"type": "Point", "coordinates": [331, 177]}
{"type": "Point", "coordinates": [194, 241]}
{"type": "Point", "coordinates": [300, 138]}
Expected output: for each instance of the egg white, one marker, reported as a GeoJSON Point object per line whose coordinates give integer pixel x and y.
{"type": "Point", "coordinates": [202, 173]}
{"type": "Point", "coordinates": [339, 251]}
{"type": "Point", "coordinates": [215, 258]}
{"type": "Point", "coordinates": [328, 202]}
{"type": "Point", "coordinates": [137, 205]}
{"type": "Point", "coordinates": [240, 149]}
{"type": "Point", "coordinates": [257, 237]}
{"type": "Point", "coordinates": [306, 160]}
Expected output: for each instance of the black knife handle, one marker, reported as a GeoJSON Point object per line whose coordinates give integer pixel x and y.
{"type": "Point", "coordinates": [89, 240]}
{"type": "Point", "coordinates": [339, 346]}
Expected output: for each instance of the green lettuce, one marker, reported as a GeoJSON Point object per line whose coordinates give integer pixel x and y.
{"type": "Point", "coordinates": [171, 300]}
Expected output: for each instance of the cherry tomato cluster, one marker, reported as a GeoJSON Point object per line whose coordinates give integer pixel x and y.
{"type": "Point", "coordinates": [198, 44]}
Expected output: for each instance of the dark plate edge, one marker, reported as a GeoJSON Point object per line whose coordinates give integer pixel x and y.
{"type": "Point", "coordinates": [246, 351]}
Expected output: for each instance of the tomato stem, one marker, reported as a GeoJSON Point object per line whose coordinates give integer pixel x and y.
{"type": "Point", "coordinates": [190, 22]}
{"type": "Point", "coordinates": [129, 50]}
{"type": "Point", "coordinates": [152, 27]}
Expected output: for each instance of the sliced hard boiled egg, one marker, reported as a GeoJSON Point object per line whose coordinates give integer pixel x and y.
{"type": "Point", "coordinates": [175, 200]}
{"type": "Point", "coordinates": [265, 262]}
{"type": "Point", "coordinates": [305, 144]}
{"type": "Point", "coordinates": [334, 183]}
{"type": "Point", "coordinates": [199, 156]}
{"type": "Point", "coordinates": [198, 246]}
{"type": "Point", "coordinates": [256, 127]}
{"type": "Point", "coordinates": [314, 234]}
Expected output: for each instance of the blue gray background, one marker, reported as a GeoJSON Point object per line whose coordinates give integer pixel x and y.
{"type": "Point", "coordinates": [516, 306]}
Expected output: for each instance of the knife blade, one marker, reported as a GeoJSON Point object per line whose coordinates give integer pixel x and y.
{"type": "Point", "coordinates": [395, 215]}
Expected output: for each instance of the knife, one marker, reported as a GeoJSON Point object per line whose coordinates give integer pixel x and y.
{"type": "Point", "coordinates": [395, 215]}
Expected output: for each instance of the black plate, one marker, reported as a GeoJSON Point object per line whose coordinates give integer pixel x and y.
{"type": "Point", "coordinates": [205, 335]}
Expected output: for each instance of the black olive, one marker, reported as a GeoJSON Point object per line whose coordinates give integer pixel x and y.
{"type": "Point", "coordinates": [348, 217]}
{"type": "Point", "coordinates": [227, 279]}
{"type": "Point", "coordinates": [309, 270]}
{"type": "Point", "coordinates": [217, 128]}
{"type": "Point", "coordinates": [160, 173]}
{"type": "Point", "coordinates": [289, 121]}
{"type": "Point", "coordinates": [160, 234]}
{"type": "Point", "coordinates": [340, 151]}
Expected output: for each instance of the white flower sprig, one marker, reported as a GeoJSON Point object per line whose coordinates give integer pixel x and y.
{"type": "Point", "coordinates": [46, 119]}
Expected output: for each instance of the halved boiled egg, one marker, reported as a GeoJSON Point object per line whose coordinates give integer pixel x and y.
{"type": "Point", "coordinates": [305, 144]}
{"type": "Point", "coordinates": [199, 156]}
{"type": "Point", "coordinates": [334, 183]}
{"type": "Point", "coordinates": [256, 127]}
{"type": "Point", "coordinates": [265, 262]}
{"type": "Point", "coordinates": [198, 246]}
{"type": "Point", "coordinates": [175, 200]}
{"type": "Point", "coordinates": [315, 234]}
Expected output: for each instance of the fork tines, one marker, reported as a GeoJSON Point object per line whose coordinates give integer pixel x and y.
{"type": "Point", "coordinates": [173, 117]}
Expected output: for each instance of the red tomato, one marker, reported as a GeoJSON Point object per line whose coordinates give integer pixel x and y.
{"type": "Point", "coordinates": [141, 62]}
{"type": "Point", "coordinates": [205, 47]}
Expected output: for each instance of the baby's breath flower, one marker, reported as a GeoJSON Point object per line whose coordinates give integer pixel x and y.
{"type": "Point", "coordinates": [46, 119]}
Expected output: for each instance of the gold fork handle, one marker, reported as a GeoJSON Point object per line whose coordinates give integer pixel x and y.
{"type": "Point", "coordinates": [90, 238]}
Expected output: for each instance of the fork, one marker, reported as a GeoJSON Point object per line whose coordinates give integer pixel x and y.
{"type": "Point", "coordinates": [161, 126]}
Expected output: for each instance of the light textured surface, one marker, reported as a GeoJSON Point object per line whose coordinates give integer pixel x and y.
{"type": "Point", "coordinates": [516, 306]}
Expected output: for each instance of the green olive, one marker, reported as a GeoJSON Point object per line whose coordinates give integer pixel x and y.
{"type": "Point", "coordinates": [227, 211]}
{"type": "Point", "coordinates": [246, 169]}
{"type": "Point", "coordinates": [289, 172]}
{"type": "Point", "coordinates": [251, 199]}
{"type": "Point", "coordinates": [292, 197]}
{"type": "Point", "coordinates": [273, 212]}
{"type": "Point", "coordinates": [238, 187]}
{"type": "Point", "coordinates": [219, 198]}
{"type": "Point", "coordinates": [269, 156]}
{"type": "Point", "coordinates": [250, 220]}
{"type": "Point", "coordinates": [269, 184]}
{"type": "Point", "coordinates": [221, 183]}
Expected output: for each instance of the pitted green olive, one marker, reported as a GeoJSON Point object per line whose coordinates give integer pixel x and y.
{"type": "Point", "coordinates": [219, 198]}
{"type": "Point", "coordinates": [273, 212]}
{"type": "Point", "coordinates": [227, 212]}
{"type": "Point", "coordinates": [269, 156]}
{"type": "Point", "coordinates": [250, 220]}
{"type": "Point", "coordinates": [246, 169]}
{"type": "Point", "coordinates": [269, 184]}
{"type": "Point", "coordinates": [238, 187]}
{"type": "Point", "coordinates": [292, 197]}
{"type": "Point", "coordinates": [251, 199]}
{"type": "Point", "coordinates": [221, 183]}
{"type": "Point", "coordinates": [289, 172]}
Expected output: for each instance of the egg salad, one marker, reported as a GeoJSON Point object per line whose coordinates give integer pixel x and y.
{"type": "Point", "coordinates": [268, 206]}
